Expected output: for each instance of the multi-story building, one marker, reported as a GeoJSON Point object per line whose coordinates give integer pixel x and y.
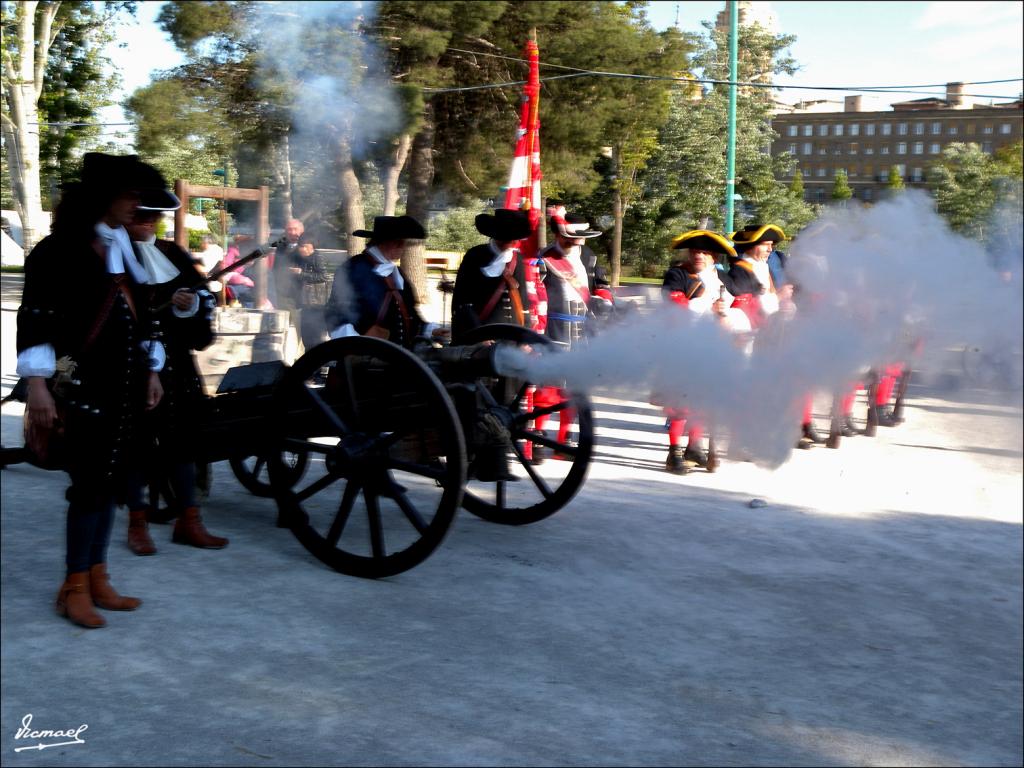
{"type": "Point", "coordinates": [866, 144]}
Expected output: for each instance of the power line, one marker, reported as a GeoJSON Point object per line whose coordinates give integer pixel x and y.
{"type": "Point", "coordinates": [908, 89]}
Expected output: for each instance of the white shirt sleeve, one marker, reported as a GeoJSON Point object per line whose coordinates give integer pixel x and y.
{"type": "Point", "coordinates": [156, 353]}
{"type": "Point", "coordinates": [343, 330]}
{"type": "Point", "coordinates": [39, 360]}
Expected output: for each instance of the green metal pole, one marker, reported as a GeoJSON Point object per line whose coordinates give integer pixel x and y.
{"type": "Point", "coordinates": [730, 162]}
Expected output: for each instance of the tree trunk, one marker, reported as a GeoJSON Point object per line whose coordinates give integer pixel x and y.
{"type": "Point", "coordinates": [22, 90]}
{"type": "Point", "coordinates": [391, 172]}
{"type": "Point", "coordinates": [615, 252]}
{"type": "Point", "coordinates": [421, 176]}
{"type": "Point", "coordinates": [352, 195]}
{"type": "Point", "coordinates": [286, 187]}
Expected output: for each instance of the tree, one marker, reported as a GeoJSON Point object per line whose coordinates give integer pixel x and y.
{"type": "Point", "coordinates": [50, 68]}
{"type": "Point", "coordinates": [962, 181]}
{"type": "Point", "coordinates": [841, 187]}
{"type": "Point", "coordinates": [29, 32]}
{"type": "Point", "coordinates": [796, 186]}
{"type": "Point", "coordinates": [685, 180]}
{"type": "Point", "coordinates": [895, 181]}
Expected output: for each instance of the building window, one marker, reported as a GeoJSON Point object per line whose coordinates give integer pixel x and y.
{"type": "Point", "coordinates": [901, 148]}
{"type": "Point", "coordinates": [808, 130]}
{"type": "Point", "coordinates": [868, 168]}
{"type": "Point", "coordinates": [791, 131]}
{"type": "Point", "coordinates": [853, 148]}
{"type": "Point", "coordinates": [918, 147]}
{"type": "Point", "coordinates": [1005, 129]}
{"type": "Point", "coordinates": [822, 171]}
{"type": "Point", "coordinates": [936, 129]}
{"type": "Point", "coordinates": [808, 148]}
{"type": "Point", "coordinates": [986, 129]}
{"type": "Point", "coordinates": [869, 150]}
{"type": "Point", "coordinates": [868, 193]}
{"type": "Point", "coordinates": [853, 171]}
{"type": "Point", "coordinates": [902, 170]}
{"type": "Point", "coordinates": [837, 149]}
{"type": "Point", "coordinates": [822, 149]}
{"type": "Point", "coordinates": [792, 148]}
{"type": "Point", "coordinates": [917, 175]}
{"type": "Point", "coordinates": [986, 146]}
{"type": "Point", "coordinates": [823, 130]}
{"type": "Point", "coordinates": [869, 129]}
{"type": "Point", "coordinates": [887, 129]}
{"type": "Point", "coordinates": [935, 148]}
{"type": "Point", "coordinates": [902, 128]}
{"type": "Point", "coordinates": [919, 129]}
{"type": "Point", "coordinates": [884, 149]}
{"type": "Point", "coordinates": [883, 173]}
{"type": "Point", "coordinates": [855, 129]}
{"type": "Point", "coordinates": [952, 130]}
{"type": "Point", "coordinates": [970, 129]}
{"type": "Point", "coordinates": [838, 131]}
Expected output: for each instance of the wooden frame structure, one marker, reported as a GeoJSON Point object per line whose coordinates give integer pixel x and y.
{"type": "Point", "coordinates": [261, 195]}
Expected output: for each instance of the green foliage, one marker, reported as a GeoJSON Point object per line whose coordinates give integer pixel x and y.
{"type": "Point", "coordinates": [895, 181]}
{"type": "Point", "coordinates": [841, 187]}
{"type": "Point", "coordinates": [454, 230]}
{"type": "Point", "coordinates": [964, 183]}
{"type": "Point", "coordinates": [796, 187]}
{"type": "Point", "coordinates": [195, 240]}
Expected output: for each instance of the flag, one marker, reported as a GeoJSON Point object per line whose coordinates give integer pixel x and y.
{"type": "Point", "coordinates": [523, 190]}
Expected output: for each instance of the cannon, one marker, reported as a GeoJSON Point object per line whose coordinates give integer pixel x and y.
{"type": "Point", "coordinates": [369, 449]}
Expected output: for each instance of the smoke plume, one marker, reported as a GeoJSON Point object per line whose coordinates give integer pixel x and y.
{"type": "Point", "coordinates": [874, 286]}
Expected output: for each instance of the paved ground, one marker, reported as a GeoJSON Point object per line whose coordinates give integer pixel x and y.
{"type": "Point", "coordinates": [870, 614]}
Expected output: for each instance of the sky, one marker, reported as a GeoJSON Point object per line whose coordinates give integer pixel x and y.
{"type": "Point", "coordinates": [838, 43]}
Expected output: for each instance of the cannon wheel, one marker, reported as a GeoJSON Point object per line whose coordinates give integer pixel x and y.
{"type": "Point", "coordinates": [387, 462]}
{"type": "Point", "coordinates": [536, 494]}
{"type": "Point", "coordinates": [251, 471]}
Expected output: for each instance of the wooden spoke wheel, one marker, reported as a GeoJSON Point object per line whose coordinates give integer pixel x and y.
{"type": "Point", "coordinates": [252, 473]}
{"type": "Point", "coordinates": [386, 459]}
{"type": "Point", "coordinates": [530, 490]}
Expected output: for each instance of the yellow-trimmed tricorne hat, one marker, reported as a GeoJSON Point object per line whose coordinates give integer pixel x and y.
{"type": "Point", "coordinates": [752, 234]}
{"type": "Point", "coordinates": [705, 241]}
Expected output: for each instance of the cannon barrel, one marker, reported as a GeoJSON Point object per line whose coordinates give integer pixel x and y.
{"type": "Point", "coordinates": [463, 363]}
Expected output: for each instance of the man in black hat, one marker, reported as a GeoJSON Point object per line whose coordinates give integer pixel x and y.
{"type": "Point", "coordinates": [371, 296]}
{"type": "Point", "coordinates": [490, 284]}
{"type": "Point", "coordinates": [749, 278]}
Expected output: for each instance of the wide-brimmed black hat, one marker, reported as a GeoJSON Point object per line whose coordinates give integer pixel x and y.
{"type": "Point", "coordinates": [153, 192]}
{"type": "Point", "coordinates": [704, 240]}
{"type": "Point", "coordinates": [752, 234]}
{"type": "Point", "coordinates": [393, 228]}
{"type": "Point", "coordinates": [573, 226]}
{"type": "Point", "coordinates": [107, 174]}
{"type": "Point", "coordinates": [504, 226]}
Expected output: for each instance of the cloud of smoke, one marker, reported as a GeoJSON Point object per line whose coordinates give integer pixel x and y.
{"type": "Point", "coordinates": [872, 284]}
{"type": "Point", "coordinates": [342, 98]}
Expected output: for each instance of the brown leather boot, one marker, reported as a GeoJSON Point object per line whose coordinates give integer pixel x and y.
{"type": "Point", "coordinates": [75, 602]}
{"type": "Point", "coordinates": [139, 540]}
{"type": "Point", "coordinates": [189, 529]}
{"type": "Point", "coordinates": [104, 595]}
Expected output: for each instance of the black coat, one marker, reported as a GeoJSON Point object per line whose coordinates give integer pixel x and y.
{"type": "Point", "coordinates": [358, 295]}
{"type": "Point", "coordinates": [286, 284]}
{"type": "Point", "coordinates": [739, 281]}
{"type": "Point", "coordinates": [678, 279]}
{"type": "Point", "coordinates": [66, 289]}
{"type": "Point", "coordinates": [474, 291]}
{"type": "Point", "coordinates": [177, 419]}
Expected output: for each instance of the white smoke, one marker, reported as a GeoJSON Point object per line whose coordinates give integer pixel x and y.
{"type": "Point", "coordinates": [876, 285]}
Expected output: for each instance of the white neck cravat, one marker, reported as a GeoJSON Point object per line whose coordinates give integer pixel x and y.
{"type": "Point", "coordinates": [159, 268]}
{"type": "Point", "coordinates": [498, 263]}
{"type": "Point", "coordinates": [120, 256]}
{"type": "Point", "coordinates": [385, 266]}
